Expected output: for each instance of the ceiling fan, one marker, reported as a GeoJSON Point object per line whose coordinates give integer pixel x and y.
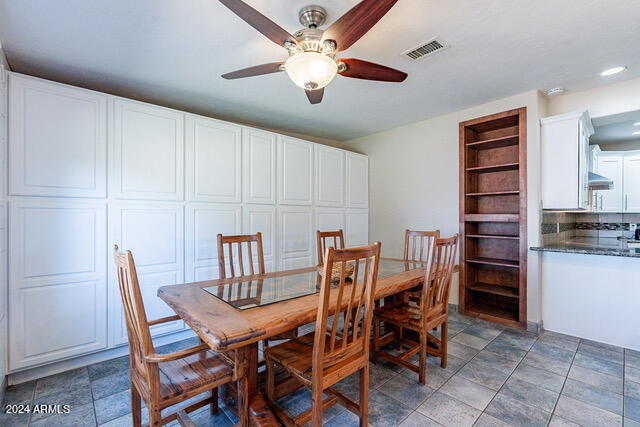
{"type": "Point", "coordinates": [312, 63]}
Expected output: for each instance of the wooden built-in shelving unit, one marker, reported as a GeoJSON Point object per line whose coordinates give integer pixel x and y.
{"type": "Point", "coordinates": [493, 213]}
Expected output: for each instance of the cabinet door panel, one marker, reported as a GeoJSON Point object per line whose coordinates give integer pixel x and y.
{"type": "Point", "coordinates": [357, 222]}
{"type": "Point", "coordinates": [57, 284]}
{"type": "Point", "coordinates": [296, 237]}
{"type": "Point", "coordinates": [262, 219]}
{"type": "Point", "coordinates": [328, 219]}
{"type": "Point", "coordinates": [214, 151]}
{"type": "Point", "coordinates": [259, 166]}
{"type": "Point", "coordinates": [329, 176]}
{"type": "Point", "coordinates": [295, 171]}
{"type": "Point", "coordinates": [153, 232]}
{"type": "Point", "coordinates": [204, 222]}
{"type": "Point", "coordinates": [148, 153]}
{"type": "Point", "coordinates": [58, 143]}
{"type": "Point", "coordinates": [357, 177]}
{"type": "Point", "coordinates": [611, 167]}
{"type": "Point", "coordinates": [631, 183]}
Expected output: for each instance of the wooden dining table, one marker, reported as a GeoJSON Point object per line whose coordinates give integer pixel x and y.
{"type": "Point", "coordinates": [234, 315]}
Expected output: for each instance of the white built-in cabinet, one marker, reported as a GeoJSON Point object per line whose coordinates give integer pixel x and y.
{"type": "Point", "coordinates": [74, 164]}
{"type": "Point", "coordinates": [357, 180]}
{"type": "Point", "coordinates": [632, 182]}
{"type": "Point", "coordinates": [159, 182]}
{"type": "Point", "coordinates": [295, 171]}
{"type": "Point", "coordinates": [623, 169]}
{"type": "Point", "coordinates": [565, 160]}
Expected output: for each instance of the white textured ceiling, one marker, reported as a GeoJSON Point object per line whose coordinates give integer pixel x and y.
{"type": "Point", "coordinates": [172, 52]}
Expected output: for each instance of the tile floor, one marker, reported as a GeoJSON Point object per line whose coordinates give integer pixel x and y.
{"type": "Point", "coordinates": [495, 376]}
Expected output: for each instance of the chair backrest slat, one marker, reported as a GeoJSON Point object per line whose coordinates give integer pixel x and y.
{"type": "Point", "coordinates": [438, 273]}
{"type": "Point", "coordinates": [243, 241]}
{"type": "Point", "coordinates": [416, 243]}
{"type": "Point", "coordinates": [346, 332]}
{"type": "Point", "coordinates": [140, 343]}
{"type": "Point", "coordinates": [323, 236]}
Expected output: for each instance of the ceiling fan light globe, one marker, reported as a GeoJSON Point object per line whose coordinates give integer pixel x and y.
{"type": "Point", "coordinates": [311, 70]}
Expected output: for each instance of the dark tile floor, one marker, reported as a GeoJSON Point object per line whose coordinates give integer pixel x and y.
{"type": "Point", "coordinates": [495, 376]}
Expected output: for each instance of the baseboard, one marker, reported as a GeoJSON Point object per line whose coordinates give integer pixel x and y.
{"type": "Point", "coordinates": [85, 360]}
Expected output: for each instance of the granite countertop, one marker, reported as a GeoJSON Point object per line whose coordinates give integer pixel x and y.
{"type": "Point", "coordinates": [591, 246]}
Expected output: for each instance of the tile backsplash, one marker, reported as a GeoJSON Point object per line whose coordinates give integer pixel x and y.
{"type": "Point", "coordinates": [557, 226]}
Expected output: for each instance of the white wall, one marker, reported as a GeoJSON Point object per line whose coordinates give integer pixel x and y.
{"type": "Point", "coordinates": [3, 230]}
{"type": "Point", "coordinates": [413, 180]}
{"type": "Point", "coordinates": [601, 101]}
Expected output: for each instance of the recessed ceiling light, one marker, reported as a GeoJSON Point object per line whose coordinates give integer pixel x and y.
{"type": "Point", "coordinates": [636, 132]}
{"type": "Point", "coordinates": [636, 124]}
{"type": "Point", "coordinates": [612, 71]}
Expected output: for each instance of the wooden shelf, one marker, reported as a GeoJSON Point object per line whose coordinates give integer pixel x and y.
{"type": "Point", "coordinates": [488, 144]}
{"type": "Point", "coordinates": [494, 193]}
{"type": "Point", "coordinates": [501, 315]}
{"type": "Point", "coordinates": [492, 217]}
{"type": "Point", "coordinates": [493, 189]}
{"type": "Point", "coordinates": [495, 168]}
{"type": "Point", "coordinates": [494, 261]}
{"type": "Point", "coordinates": [492, 236]}
{"type": "Point", "coordinates": [494, 289]}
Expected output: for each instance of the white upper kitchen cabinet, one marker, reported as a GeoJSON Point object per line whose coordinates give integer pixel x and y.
{"type": "Point", "coordinates": [148, 152]}
{"type": "Point", "coordinates": [611, 165]}
{"type": "Point", "coordinates": [565, 161]}
{"type": "Point", "coordinates": [357, 180]}
{"type": "Point", "coordinates": [57, 291]}
{"type": "Point", "coordinates": [296, 237]}
{"type": "Point", "coordinates": [214, 160]}
{"type": "Point", "coordinates": [259, 166]}
{"type": "Point", "coordinates": [203, 223]}
{"type": "Point", "coordinates": [357, 227]}
{"type": "Point", "coordinates": [57, 139]}
{"type": "Point", "coordinates": [295, 171]}
{"type": "Point", "coordinates": [154, 233]}
{"type": "Point", "coordinates": [632, 182]}
{"type": "Point", "coordinates": [329, 190]}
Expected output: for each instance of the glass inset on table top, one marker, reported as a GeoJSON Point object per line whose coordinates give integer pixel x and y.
{"type": "Point", "coordinates": [259, 292]}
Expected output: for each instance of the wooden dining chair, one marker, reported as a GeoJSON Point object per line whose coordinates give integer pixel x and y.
{"type": "Point", "coordinates": [324, 237]}
{"type": "Point", "coordinates": [339, 346]}
{"type": "Point", "coordinates": [244, 246]}
{"type": "Point", "coordinates": [416, 243]}
{"type": "Point", "coordinates": [164, 380]}
{"type": "Point", "coordinates": [431, 311]}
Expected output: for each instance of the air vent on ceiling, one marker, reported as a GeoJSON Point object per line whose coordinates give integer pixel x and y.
{"type": "Point", "coordinates": [431, 47]}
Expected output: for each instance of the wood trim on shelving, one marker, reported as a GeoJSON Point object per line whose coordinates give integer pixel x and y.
{"type": "Point", "coordinates": [493, 159]}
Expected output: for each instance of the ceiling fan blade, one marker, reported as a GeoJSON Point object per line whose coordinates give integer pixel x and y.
{"type": "Point", "coordinates": [359, 69]}
{"type": "Point", "coordinates": [260, 22]}
{"type": "Point", "coordinates": [356, 22]}
{"type": "Point", "coordinates": [257, 70]}
{"type": "Point", "coordinates": [315, 96]}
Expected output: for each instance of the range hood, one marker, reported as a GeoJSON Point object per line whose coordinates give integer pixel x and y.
{"type": "Point", "coordinates": [599, 182]}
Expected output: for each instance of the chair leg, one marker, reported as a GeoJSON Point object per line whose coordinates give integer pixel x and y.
{"type": "Point", "coordinates": [444, 329]}
{"type": "Point", "coordinates": [155, 417]}
{"type": "Point", "coordinates": [270, 381]}
{"type": "Point", "coordinates": [316, 406]}
{"type": "Point", "coordinates": [214, 401]}
{"type": "Point", "coordinates": [364, 396]}
{"type": "Point", "coordinates": [376, 340]}
{"type": "Point", "coordinates": [422, 372]}
{"type": "Point", "coordinates": [136, 407]}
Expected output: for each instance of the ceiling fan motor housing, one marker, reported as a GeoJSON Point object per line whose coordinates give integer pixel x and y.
{"type": "Point", "coordinates": [312, 16]}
